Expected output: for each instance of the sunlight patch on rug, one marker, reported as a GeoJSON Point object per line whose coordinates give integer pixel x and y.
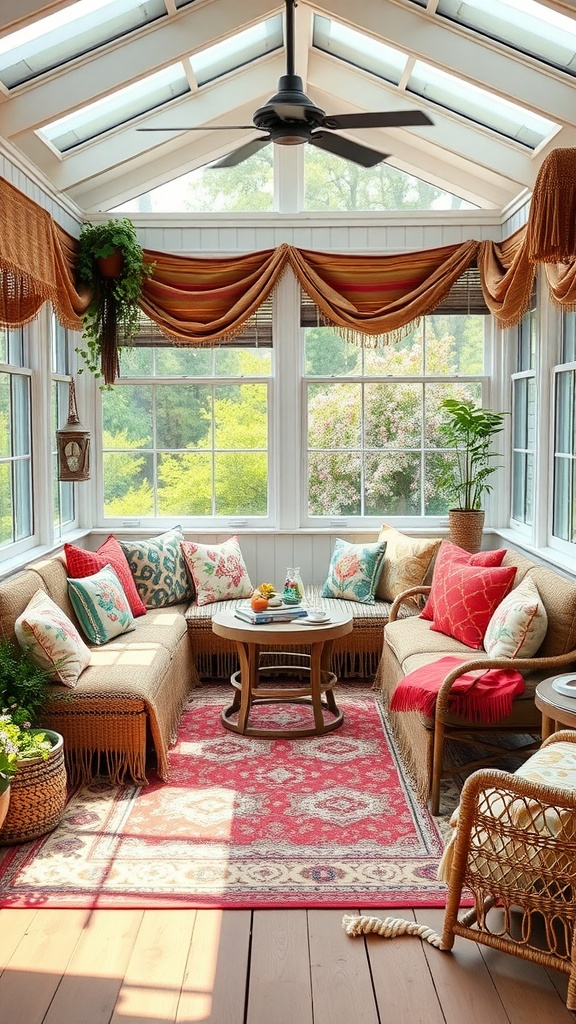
{"type": "Point", "coordinates": [321, 821]}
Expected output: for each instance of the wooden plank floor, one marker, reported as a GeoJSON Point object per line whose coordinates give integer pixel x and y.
{"type": "Point", "coordinates": [256, 967]}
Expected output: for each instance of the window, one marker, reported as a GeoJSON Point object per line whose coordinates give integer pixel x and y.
{"type": "Point", "coordinates": [524, 418]}
{"type": "Point", "coordinates": [564, 512]}
{"type": "Point", "coordinates": [373, 442]}
{"type": "Point", "coordinates": [185, 432]}
{"type": "Point", "coordinates": [62, 491]}
{"type": "Point", "coordinates": [16, 512]}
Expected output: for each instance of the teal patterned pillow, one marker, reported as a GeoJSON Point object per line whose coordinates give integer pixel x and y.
{"type": "Point", "coordinates": [354, 571]}
{"type": "Point", "coordinates": [159, 569]}
{"type": "Point", "coordinates": [101, 605]}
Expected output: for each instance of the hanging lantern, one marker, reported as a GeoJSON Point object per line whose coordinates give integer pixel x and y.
{"type": "Point", "coordinates": [73, 444]}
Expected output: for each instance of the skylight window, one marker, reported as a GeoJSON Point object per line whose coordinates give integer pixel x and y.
{"type": "Point", "coordinates": [358, 49]}
{"type": "Point", "coordinates": [50, 42]}
{"type": "Point", "coordinates": [239, 49]}
{"type": "Point", "coordinates": [523, 24]}
{"type": "Point", "coordinates": [481, 106]}
{"type": "Point", "coordinates": [138, 98]}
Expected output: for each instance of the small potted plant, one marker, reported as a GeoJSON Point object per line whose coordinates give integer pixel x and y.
{"type": "Point", "coordinates": [31, 758]}
{"type": "Point", "coordinates": [470, 430]}
{"type": "Point", "coordinates": [111, 263]}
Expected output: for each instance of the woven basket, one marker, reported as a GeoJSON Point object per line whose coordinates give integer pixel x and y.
{"type": "Point", "coordinates": [37, 796]}
{"type": "Point", "coordinates": [466, 526]}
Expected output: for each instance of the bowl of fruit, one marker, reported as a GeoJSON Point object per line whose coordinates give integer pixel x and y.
{"type": "Point", "coordinates": [264, 597]}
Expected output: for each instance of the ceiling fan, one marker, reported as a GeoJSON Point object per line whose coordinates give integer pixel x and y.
{"type": "Point", "coordinates": [289, 118]}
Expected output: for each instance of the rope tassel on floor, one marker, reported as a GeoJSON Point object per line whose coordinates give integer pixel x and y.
{"type": "Point", "coordinates": [389, 928]}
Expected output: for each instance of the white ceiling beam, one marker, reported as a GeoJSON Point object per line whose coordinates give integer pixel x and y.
{"type": "Point", "coordinates": [22, 12]}
{"type": "Point", "coordinates": [137, 56]}
{"type": "Point", "coordinates": [448, 132]}
{"type": "Point", "coordinates": [477, 60]}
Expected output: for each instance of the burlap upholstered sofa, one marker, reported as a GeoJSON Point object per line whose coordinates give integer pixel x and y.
{"type": "Point", "coordinates": [409, 644]}
{"type": "Point", "coordinates": [128, 702]}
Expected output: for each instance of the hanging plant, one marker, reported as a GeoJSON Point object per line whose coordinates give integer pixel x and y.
{"type": "Point", "coordinates": [110, 261]}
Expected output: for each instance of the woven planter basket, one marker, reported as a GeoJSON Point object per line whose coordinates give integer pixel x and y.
{"type": "Point", "coordinates": [466, 526]}
{"type": "Point", "coordinates": [37, 796]}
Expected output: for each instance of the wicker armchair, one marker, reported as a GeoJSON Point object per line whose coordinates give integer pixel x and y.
{"type": "Point", "coordinates": [515, 850]}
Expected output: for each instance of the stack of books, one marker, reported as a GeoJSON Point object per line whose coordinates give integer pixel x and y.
{"type": "Point", "coordinates": [284, 614]}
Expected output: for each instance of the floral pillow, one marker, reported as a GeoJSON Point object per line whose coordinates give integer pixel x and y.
{"type": "Point", "coordinates": [159, 570]}
{"type": "Point", "coordinates": [218, 571]}
{"type": "Point", "coordinates": [52, 640]}
{"type": "Point", "coordinates": [406, 564]}
{"type": "Point", "coordinates": [101, 605]}
{"type": "Point", "coordinates": [81, 562]}
{"type": "Point", "coordinates": [519, 624]}
{"type": "Point", "coordinates": [354, 571]}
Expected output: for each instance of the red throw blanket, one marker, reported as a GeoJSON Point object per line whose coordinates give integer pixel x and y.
{"type": "Point", "coordinates": [483, 695]}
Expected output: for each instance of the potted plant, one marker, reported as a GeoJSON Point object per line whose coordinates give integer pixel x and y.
{"type": "Point", "coordinates": [470, 430]}
{"type": "Point", "coordinates": [111, 263]}
{"type": "Point", "coordinates": [32, 767]}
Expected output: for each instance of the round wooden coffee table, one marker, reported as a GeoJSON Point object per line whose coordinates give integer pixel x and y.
{"type": "Point", "coordinates": [555, 707]}
{"type": "Point", "coordinates": [262, 678]}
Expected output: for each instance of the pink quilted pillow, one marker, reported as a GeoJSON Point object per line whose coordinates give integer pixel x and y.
{"type": "Point", "coordinates": [450, 554]}
{"type": "Point", "coordinates": [81, 563]}
{"type": "Point", "coordinates": [466, 598]}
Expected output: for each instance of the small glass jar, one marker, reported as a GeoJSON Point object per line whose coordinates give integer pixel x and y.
{"type": "Point", "coordinates": [293, 591]}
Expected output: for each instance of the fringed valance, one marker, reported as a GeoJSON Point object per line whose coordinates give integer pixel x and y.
{"type": "Point", "coordinates": [203, 301]}
{"type": "Point", "coordinates": [36, 260]}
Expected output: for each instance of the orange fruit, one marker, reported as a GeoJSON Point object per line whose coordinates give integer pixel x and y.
{"type": "Point", "coordinates": [258, 603]}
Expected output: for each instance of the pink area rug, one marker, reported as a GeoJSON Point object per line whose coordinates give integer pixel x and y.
{"type": "Point", "coordinates": [324, 821]}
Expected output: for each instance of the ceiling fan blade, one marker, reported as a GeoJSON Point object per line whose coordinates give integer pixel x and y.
{"type": "Point", "coordinates": [200, 128]}
{"type": "Point", "coordinates": [347, 149]}
{"type": "Point", "coordinates": [241, 154]}
{"type": "Point", "coordinates": [377, 119]}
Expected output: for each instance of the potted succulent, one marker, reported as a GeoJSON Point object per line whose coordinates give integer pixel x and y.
{"type": "Point", "coordinates": [110, 262]}
{"type": "Point", "coordinates": [32, 772]}
{"type": "Point", "coordinates": [470, 430]}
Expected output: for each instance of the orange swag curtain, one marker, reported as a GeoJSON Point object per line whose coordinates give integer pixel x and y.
{"type": "Point", "coordinates": [507, 277]}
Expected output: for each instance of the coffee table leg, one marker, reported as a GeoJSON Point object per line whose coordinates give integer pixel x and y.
{"type": "Point", "coordinates": [315, 684]}
{"type": "Point", "coordinates": [246, 659]}
{"type": "Point", "coordinates": [548, 726]}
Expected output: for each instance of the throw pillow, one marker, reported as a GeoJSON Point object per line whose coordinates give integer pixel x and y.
{"type": "Point", "coordinates": [218, 571]}
{"type": "Point", "coordinates": [80, 562]}
{"type": "Point", "coordinates": [52, 640]}
{"type": "Point", "coordinates": [101, 605]}
{"type": "Point", "coordinates": [158, 569]}
{"type": "Point", "coordinates": [406, 563]}
{"type": "Point", "coordinates": [354, 571]}
{"type": "Point", "coordinates": [519, 624]}
{"type": "Point", "coordinates": [467, 597]}
{"type": "Point", "coordinates": [450, 554]}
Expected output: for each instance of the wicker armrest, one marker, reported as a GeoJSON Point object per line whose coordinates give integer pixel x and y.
{"type": "Point", "coordinates": [412, 592]}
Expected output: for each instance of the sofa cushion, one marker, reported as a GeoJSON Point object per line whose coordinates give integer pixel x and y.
{"type": "Point", "coordinates": [52, 640]}
{"type": "Point", "coordinates": [101, 605]}
{"type": "Point", "coordinates": [450, 554]}
{"type": "Point", "coordinates": [218, 571]}
{"type": "Point", "coordinates": [406, 563]}
{"type": "Point", "coordinates": [159, 570]}
{"type": "Point", "coordinates": [466, 598]}
{"type": "Point", "coordinates": [354, 571]}
{"type": "Point", "coordinates": [81, 562]}
{"type": "Point", "coordinates": [519, 624]}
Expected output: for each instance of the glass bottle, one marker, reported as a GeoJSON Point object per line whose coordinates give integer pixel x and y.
{"type": "Point", "coordinates": [293, 587]}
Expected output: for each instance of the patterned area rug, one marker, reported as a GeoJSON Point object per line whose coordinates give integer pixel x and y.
{"type": "Point", "coordinates": [321, 821]}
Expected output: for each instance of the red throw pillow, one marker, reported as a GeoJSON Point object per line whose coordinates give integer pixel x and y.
{"type": "Point", "coordinates": [466, 597]}
{"type": "Point", "coordinates": [450, 554]}
{"type": "Point", "coordinates": [80, 563]}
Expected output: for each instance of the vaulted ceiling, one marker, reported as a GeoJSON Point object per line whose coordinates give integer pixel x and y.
{"type": "Point", "coordinates": [496, 77]}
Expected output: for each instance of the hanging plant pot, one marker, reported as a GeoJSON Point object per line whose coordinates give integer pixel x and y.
{"type": "Point", "coordinates": [466, 526]}
{"type": "Point", "coordinates": [111, 266]}
{"type": "Point", "coordinates": [37, 795]}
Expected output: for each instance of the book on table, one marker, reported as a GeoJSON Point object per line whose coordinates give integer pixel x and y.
{"type": "Point", "coordinates": [287, 613]}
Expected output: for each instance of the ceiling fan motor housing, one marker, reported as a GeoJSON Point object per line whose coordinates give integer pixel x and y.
{"type": "Point", "coordinates": [289, 116]}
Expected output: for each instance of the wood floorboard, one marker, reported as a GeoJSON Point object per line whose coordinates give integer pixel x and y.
{"type": "Point", "coordinates": [256, 967]}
